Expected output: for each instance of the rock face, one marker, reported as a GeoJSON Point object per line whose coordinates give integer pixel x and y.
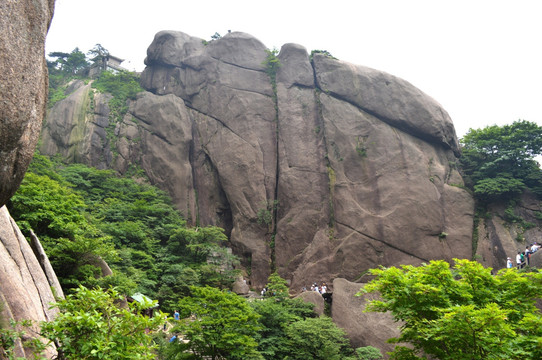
{"type": "Point", "coordinates": [499, 238]}
{"type": "Point", "coordinates": [324, 170]}
{"type": "Point", "coordinates": [23, 86]}
{"type": "Point", "coordinates": [363, 329]}
{"type": "Point", "coordinates": [25, 289]}
{"type": "Point", "coordinates": [25, 286]}
{"type": "Point", "coordinates": [315, 298]}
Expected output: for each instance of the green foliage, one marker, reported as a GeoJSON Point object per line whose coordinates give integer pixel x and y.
{"type": "Point", "coordinates": [498, 188]}
{"type": "Point", "coordinates": [98, 52]}
{"type": "Point", "coordinates": [265, 213]}
{"type": "Point", "coordinates": [275, 316]}
{"type": "Point", "coordinates": [12, 331]}
{"type": "Point", "coordinates": [123, 85]}
{"type": "Point", "coordinates": [277, 287]}
{"type": "Point", "coordinates": [68, 63]}
{"type": "Point", "coordinates": [80, 214]}
{"type": "Point", "coordinates": [323, 52]}
{"type": "Point", "coordinates": [463, 312]}
{"type": "Point", "coordinates": [63, 68]}
{"type": "Point", "coordinates": [498, 162]}
{"type": "Point", "coordinates": [368, 353]}
{"type": "Point", "coordinates": [316, 338]}
{"type": "Point", "coordinates": [272, 64]}
{"type": "Point", "coordinates": [58, 216]}
{"type": "Point", "coordinates": [92, 325]}
{"type": "Point", "coordinates": [219, 325]}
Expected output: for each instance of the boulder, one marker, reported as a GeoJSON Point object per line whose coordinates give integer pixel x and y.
{"type": "Point", "coordinates": [25, 290]}
{"type": "Point", "coordinates": [321, 170]}
{"type": "Point", "coordinates": [363, 329]}
{"type": "Point", "coordinates": [240, 287]}
{"type": "Point", "coordinates": [499, 238]}
{"type": "Point", "coordinates": [315, 298]}
{"type": "Point", "coordinates": [23, 86]}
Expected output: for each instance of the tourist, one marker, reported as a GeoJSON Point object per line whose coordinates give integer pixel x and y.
{"type": "Point", "coordinates": [509, 263]}
{"type": "Point", "coordinates": [518, 260]}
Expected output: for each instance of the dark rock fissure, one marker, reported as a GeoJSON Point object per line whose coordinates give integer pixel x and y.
{"type": "Point", "coordinates": [275, 203]}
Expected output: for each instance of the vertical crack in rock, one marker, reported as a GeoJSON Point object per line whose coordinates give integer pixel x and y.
{"type": "Point", "coordinates": [330, 171]}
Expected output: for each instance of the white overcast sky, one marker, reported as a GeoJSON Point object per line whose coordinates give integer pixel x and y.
{"type": "Point", "coordinates": [480, 59]}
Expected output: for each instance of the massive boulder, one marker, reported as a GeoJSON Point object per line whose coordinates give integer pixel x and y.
{"type": "Point", "coordinates": [27, 286]}
{"type": "Point", "coordinates": [318, 168]}
{"type": "Point", "coordinates": [26, 282]}
{"type": "Point", "coordinates": [23, 86]}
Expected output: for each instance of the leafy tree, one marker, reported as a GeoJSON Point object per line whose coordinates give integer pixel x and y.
{"type": "Point", "coordinates": [463, 312]}
{"type": "Point", "coordinates": [275, 317]}
{"type": "Point", "coordinates": [92, 325]}
{"type": "Point", "coordinates": [57, 214]}
{"type": "Point", "coordinates": [316, 338]}
{"type": "Point", "coordinates": [276, 287]}
{"type": "Point", "coordinates": [98, 53]}
{"type": "Point", "coordinates": [498, 161]}
{"type": "Point", "coordinates": [218, 325]}
{"type": "Point", "coordinates": [69, 63]}
{"type": "Point", "coordinates": [368, 353]}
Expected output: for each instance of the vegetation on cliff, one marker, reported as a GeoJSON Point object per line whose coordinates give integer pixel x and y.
{"type": "Point", "coordinates": [498, 162]}
{"type": "Point", "coordinates": [82, 215]}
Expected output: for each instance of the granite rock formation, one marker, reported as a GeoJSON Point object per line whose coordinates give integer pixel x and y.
{"type": "Point", "coordinates": [27, 285]}
{"type": "Point", "coordinates": [25, 281]}
{"type": "Point", "coordinates": [322, 170]}
{"type": "Point", "coordinates": [23, 86]}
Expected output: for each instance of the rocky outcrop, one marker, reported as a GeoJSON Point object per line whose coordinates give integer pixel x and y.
{"type": "Point", "coordinates": [25, 290]}
{"type": "Point", "coordinates": [506, 230]}
{"type": "Point", "coordinates": [23, 86]}
{"type": "Point", "coordinates": [322, 170]}
{"type": "Point", "coordinates": [26, 283]}
{"type": "Point", "coordinates": [362, 328]}
{"type": "Point", "coordinates": [314, 298]}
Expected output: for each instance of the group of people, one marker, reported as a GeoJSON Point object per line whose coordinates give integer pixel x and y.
{"type": "Point", "coordinates": [523, 257]}
{"type": "Point", "coordinates": [322, 289]}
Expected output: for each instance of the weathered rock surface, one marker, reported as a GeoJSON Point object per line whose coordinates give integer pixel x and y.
{"type": "Point", "coordinates": [23, 86]}
{"type": "Point", "coordinates": [363, 329]}
{"type": "Point", "coordinates": [499, 237]}
{"type": "Point", "coordinates": [240, 287]}
{"type": "Point", "coordinates": [338, 169]}
{"type": "Point", "coordinates": [315, 298]}
{"type": "Point", "coordinates": [25, 289]}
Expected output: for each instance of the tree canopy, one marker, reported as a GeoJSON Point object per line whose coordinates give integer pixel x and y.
{"type": "Point", "coordinates": [91, 325]}
{"type": "Point", "coordinates": [461, 312]}
{"type": "Point", "coordinates": [81, 214]}
{"type": "Point", "coordinates": [499, 161]}
{"type": "Point", "coordinates": [219, 325]}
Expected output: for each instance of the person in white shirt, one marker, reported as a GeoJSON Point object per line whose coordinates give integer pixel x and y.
{"type": "Point", "coordinates": [518, 260]}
